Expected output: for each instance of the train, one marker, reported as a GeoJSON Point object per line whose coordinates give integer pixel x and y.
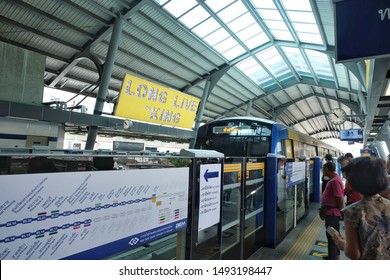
{"type": "Point", "coordinates": [273, 167]}
{"type": "Point", "coordinates": [256, 137]}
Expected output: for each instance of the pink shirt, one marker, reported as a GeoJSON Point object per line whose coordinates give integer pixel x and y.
{"type": "Point", "coordinates": [333, 189]}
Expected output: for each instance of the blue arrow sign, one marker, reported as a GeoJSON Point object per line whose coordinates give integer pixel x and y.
{"type": "Point", "coordinates": [208, 175]}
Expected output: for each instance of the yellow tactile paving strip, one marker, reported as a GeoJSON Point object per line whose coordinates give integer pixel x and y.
{"type": "Point", "coordinates": [303, 245]}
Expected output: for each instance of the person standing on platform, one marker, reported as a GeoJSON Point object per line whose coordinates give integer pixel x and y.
{"type": "Point", "coordinates": [349, 156]}
{"type": "Point", "coordinates": [325, 179]}
{"type": "Point", "coordinates": [367, 222]}
{"type": "Point", "coordinates": [352, 196]}
{"type": "Point", "coordinates": [333, 200]}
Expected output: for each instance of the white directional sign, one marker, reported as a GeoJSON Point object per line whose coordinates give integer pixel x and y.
{"type": "Point", "coordinates": [209, 195]}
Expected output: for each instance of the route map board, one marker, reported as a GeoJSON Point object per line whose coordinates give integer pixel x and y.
{"type": "Point", "coordinates": [89, 215]}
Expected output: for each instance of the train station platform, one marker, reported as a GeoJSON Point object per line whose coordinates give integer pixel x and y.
{"type": "Point", "coordinates": [307, 241]}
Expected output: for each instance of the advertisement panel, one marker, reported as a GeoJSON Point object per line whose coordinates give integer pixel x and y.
{"type": "Point", "coordinates": [89, 215]}
{"type": "Point", "coordinates": [351, 135]}
{"type": "Point", "coordinates": [143, 100]}
{"type": "Point", "coordinates": [295, 173]}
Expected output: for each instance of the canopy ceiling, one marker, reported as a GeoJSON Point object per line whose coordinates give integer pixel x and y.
{"type": "Point", "coordinates": [277, 57]}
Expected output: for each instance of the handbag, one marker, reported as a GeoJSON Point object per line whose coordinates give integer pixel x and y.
{"type": "Point", "coordinates": [322, 212]}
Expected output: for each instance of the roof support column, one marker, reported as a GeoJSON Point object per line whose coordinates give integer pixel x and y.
{"type": "Point", "coordinates": [202, 105]}
{"type": "Point", "coordinates": [362, 100]}
{"type": "Point", "coordinates": [105, 81]}
{"type": "Point", "coordinates": [249, 108]}
{"type": "Point", "coordinates": [211, 81]}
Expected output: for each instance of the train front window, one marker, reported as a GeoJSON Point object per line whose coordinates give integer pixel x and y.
{"type": "Point", "coordinates": [242, 129]}
{"type": "Point", "coordinates": [240, 138]}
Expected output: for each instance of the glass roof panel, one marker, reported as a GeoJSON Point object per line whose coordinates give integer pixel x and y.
{"type": "Point", "coordinates": [275, 22]}
{"type": "Point", "coordinates": [254, 71]}
{"type": "Point", "coordinates": [297, 60]}
{"type": "Point", "coordinates": [341, 76]}
{"type": "Point", "coordinates": [270, 14]}
{"type": "Point", "coordinates": [234, 52]}
{"type": "Point", "coordinates": [320, 64]}
{"type": "Point", "coordinates": [241, 22]}
{"type": "Point", "coordinates": [306, 27]}
{"type": "Point", "coordinates": [247, 64]}
{"type": "Point", "coordinates": [296, 16]}
{"type": "Point", "coordinates": [194, 17]}
{"type": "Point", "coordinates": [179, 7]}
{"type": "Point", "coordinates": [354, 81]}
{"type": "Point", "coordinates": [266, 4]}
{"type": "Point", "coordinates": [217, 5]}
{"type": "Point", "coordinates": [262, 78]}
{"type": "Point", "coordinates": [249, 32]}
{"type": "Point", "coordinates": [282, 35]}
{"type": "Point", "coordinates": [298, 5]}
{"type": "Point", "coordinates": [256, 41]}
{"type": "Point", "coordinates": [217, 36]}
{"type": "Point", "coordinates": [231, 12]}
{"type": "Point", "coordinates": [273, 61]}
{"type": "Point", "coordinates": [226, 45]}
{"type": "Point", "coordinates": [303, 21]}
{"type": "Point", "coordinates": [310, 37]}
{"type": "Point", "coordinates": [161, 2]}
{"type": "Point", "coordinates": [206, 27]}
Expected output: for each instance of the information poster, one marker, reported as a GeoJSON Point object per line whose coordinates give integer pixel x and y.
{"type": "Point", "coordinates": [89, 215]}
{"type": "Point", "coordinates": [295, 173]}
{"type": "Point", "coordinates": [209, 195]}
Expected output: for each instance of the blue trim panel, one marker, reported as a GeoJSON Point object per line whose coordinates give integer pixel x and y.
{"type": "Point", "coordinates": [24, 137]}
{"type": "Point", "coordinates": [316, 180]}
{"type": "Point", "coordinates": [129, 242]}
{"type": "Point", "coordinates": [13, 136]}
{"type": "Point", "coordinates": [270, 201]}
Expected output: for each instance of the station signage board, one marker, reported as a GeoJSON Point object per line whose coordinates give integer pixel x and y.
{"type": "Point", "coordinates": [362, 29]}
{"type": "Point", "coordinates": [146, 101]}
{"type": "Point", "coordinates": [89, 215]}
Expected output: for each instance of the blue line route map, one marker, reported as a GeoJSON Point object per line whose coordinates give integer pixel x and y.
{"type": "Point", "coordinates": [66, 215]}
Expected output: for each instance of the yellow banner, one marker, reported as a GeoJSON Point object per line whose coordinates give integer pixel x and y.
{"type": "Point", "coordinates": [142, 100]}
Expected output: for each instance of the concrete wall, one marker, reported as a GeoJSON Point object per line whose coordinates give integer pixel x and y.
{"type": "Point", "coordinates": [21, 75]}
{"type": "Point", "coordinates": [15, 132]}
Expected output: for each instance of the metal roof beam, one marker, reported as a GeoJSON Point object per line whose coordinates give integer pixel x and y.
{"type": "Point", "coordinates": [333, 69]}
{"type": "Point", "coordinates": [327, 124]}
{"type": "Point", "coordinates": [358, 69]}
{"type": "Point", "coordinates": [51, 55]}
{"type": "Point", "coordinates": [177, 55]}
{"type": "Point", "coordinates": [99, 37]}
{"type": "Point", "coordinates": [348, 78]}
{"type": "Point", "coordinates": [87, 13]}
{"type": "Point", "coordinates": [101, 8]}
{"type": "Point", "coordinates": [184, 29]}
{"type": "Point", "coordinates": [353, 105]}
{"type": "Point", "coordinates": [39, 33]}
{"type": "Point", "coordinates": [377, 85]}
{"type": "Point", "coordinates": [49, 17]}
{"type": "Point", "coordinates": [310, 82]}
